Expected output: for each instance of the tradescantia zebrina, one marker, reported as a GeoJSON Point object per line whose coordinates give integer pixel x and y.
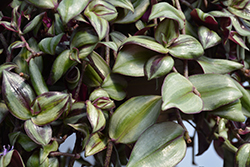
{"type": "Point", "coordinates": [124, 77]}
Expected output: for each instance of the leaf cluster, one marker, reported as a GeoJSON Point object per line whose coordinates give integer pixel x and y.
{"type": "Point", "coordinates": [123, 75]}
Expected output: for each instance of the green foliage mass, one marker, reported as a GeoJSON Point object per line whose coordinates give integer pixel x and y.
{"type": "Point", "coordinates": [123, 75]}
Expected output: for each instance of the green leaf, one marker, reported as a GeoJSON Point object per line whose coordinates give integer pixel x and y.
{"type": "Point", "coordinates": [17, 95]}
{"type": "Point", "coordinates": [48, 45]}
{"type": "Point", "coordinates": [53, 162]}
{"type": "Point", "coordinates": [44, 152]}
{"type": "Point", "coordinates": [3, 111]}
{"type": "Point", "coordinates": [96, 143]}
{"type": "Point", "coordinates": [111, 45]}
{"type": "Point", "coordinates": [128, 16]}
{"type": "Point", "coordinates": [39, 134]}
{"type": "Point", "coordinates": [96, 117]}
{"type": "Point", "coordinates": [166, 32]}
{"type": "Point", "coordinates": [146, 42]}
{"type": "Point", "coordinates": [239, 27]}
{"type": "Point", "coordinates": [220, 66]}
{"type": "Point", "coordinates": [230, 111]}
{"type": "Point", "coordinates": [133, 117]}
{"type": "Point", "coordinates": [242, 156]}
{"type": "Point", "coordinates": [158, 66]}
{"type": "Point", "coordinates": [68, 9]}
{"type": "Point", "coordinates": [186, 47]}
{"type": "Point", "coordinates": [84, 128]}
{"type": "Point", "coordinates": [117, 37]}
{"type": "Point", "coordinates": [115, 86]}
{"type": "Point", "coordinates": [103, 9]}
{"type": "Point", "coordinates": [122, 4]}
{"type": "Point", "coordinates": [238, 4]}
{"type": "Point", "coordinates": [36, 78]}
{"type": "Point", "coordinates": [12, 158]}
{"type": "Point", "coordinates": [100, 99]}
{"type": "Point", "coordinates": [7, 66]}
{"type": "Point", "coordinates": [33, 23]}
{"type": "Point", "coordinates": [60, 66]}
{"type": "Point", "coordinates": [98, 93]}
{"type": "Point", "coordinates": [83, 36]}
{"type": "Point", "coordinates": [97, 61]}
{"type": "Point", "coordinates": [240, 13]}
{"type": "Point", "coordinates": [100, 25]}
{"type": "Point", "coordinates": [26, 142]}
{"type": "Point", "coordinates": [164, 9]}
{"type": "Point", "coordinates": [49, 106]}
{"type": "Point", "coordinates": [216, 90]}
{"type": "Point", "coordinates": [235, 37]}
{"type": "Point", "coordinates": [244, 99]}
{"type": "Point", "coordinates": [131, 60]}
{"type": "Point", "coordinates": [178, 91]}
{"type": "Point", "coordinates": [45, 4]}
{"type": "Point", "coordinates": [15, 45]}
{"type": "Point", "coordinates": [160, 145]}
{"type": "Point", "coordinates": [78, 111]}
{"type": "Point", "coordinates": [58, 24]}
{"type": "Point", "coordinates": [33, 160]}
{"type": "Point", "coordinates": [208, 37]}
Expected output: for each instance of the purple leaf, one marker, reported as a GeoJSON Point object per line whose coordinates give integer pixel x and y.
{"type": "Point", "coordinates": [205, 19]}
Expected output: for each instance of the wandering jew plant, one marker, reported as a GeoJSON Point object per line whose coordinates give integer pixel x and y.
{"type": "Point", "coordinates": [123, 76]}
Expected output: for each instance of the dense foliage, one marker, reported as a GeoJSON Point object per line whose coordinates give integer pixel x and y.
{"type": "Point", "coordinates": [123, 75]}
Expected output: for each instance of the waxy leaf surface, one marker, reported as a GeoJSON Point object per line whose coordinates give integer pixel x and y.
{"type": "Point", "coordinates": [36, 78]}
{"type": "Point", "coordinates": [95, 144]}
{"type": "Point", "coordinates": [71, 8]}
{"type": "Point", "coordinates": [96, 117]}
{"type": "Point", "coordinates": [186, 47]}
{"type": "Point", "coordinates": [83, 36]}
{"type": "Point", "coordinates": [216, 90]}
{"type": "Point", "coordinates": [146, 42]}
{"type": "Point", "coordinates": [39, 134]}
{"type": "Point", "coordinates": [133, 117]}
{"type": "Point", "coordinates": [103, 9]}
{"type": "Point", "coordinates": [46, 4]}
{"type": "Point", "coordinates": [166, 10]}
{"type": "Point", "coordinates": [17, 95]}
{"type": "Point", "coordinates": [166, 32]}
{"type": "Point", "coordinates": [160, 145]}
{"type": "Point", "coordinates": [231, 111]}
{"type": "Point", "coordinates": [158, 66]}
{"type": "Point", "coordinates": [243, 155]}
{"type": "Point", "coordinates": [115, 86]}
{"type": "Point", "coordinates": [244, 99]}
{"type": "Point", "coordinates": [220, 66]}
{"type": "Point", "coordinates": [49, 106]}
{"type": "Point", "coordinates": [177, 91]}
{"type": "Point", "coordinates": [33, 23]}
{"type": "Point", "coordinates": [100, 25]}
{"type": "Point", "coordinates": [60, 66]}
{"type": "Point", "coordinates": [208, 37]}
{"type": "Point", "coordinates": [48, 45]}
{"type": "Point", "coordinates": [44, 152]}
{"type": "Point", "coordinates": [123, 4]}
{"type": "Point", "coordinates": [128, 16]}
{"type": "Point", "coordinates": [131, 60]}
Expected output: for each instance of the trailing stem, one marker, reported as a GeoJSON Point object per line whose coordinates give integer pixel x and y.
{"type": "Point", "coordinates": [108, 154]}
{"type": "Point", "coordinates": [107, 51]}
{"type": "Point", "coordinates": [180, 122]}
{"type": "Point", "coordinates": [80, 81]}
